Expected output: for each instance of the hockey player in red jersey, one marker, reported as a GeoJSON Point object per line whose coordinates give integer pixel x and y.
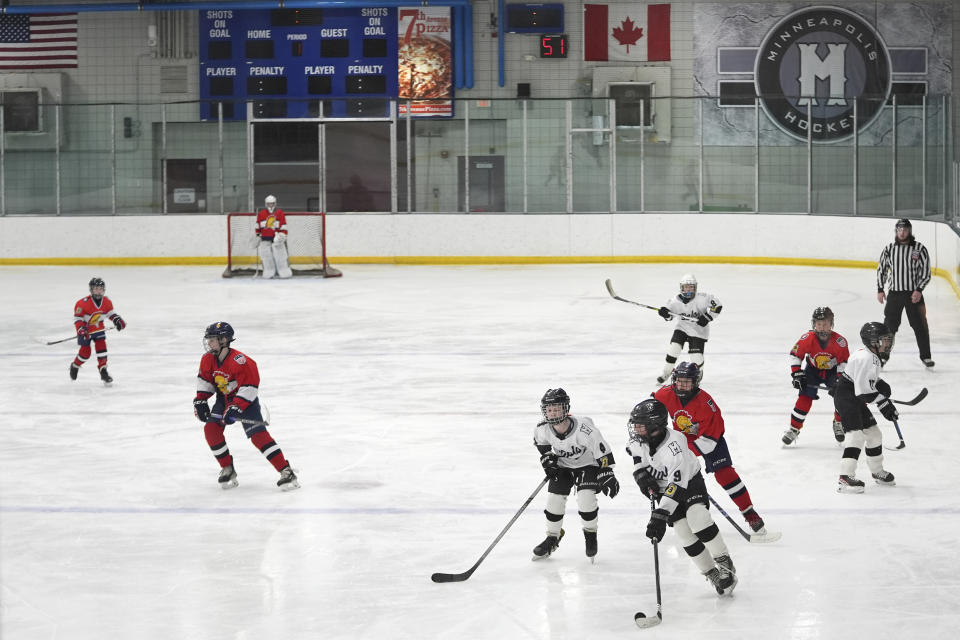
{"type": "Point", "coordinates": [88, 316]}
{"type": "Point", "coordinates": [233, 377]}
{"type": "Point", "coordinates": [272, 232]}
{"type": "Point", "coordinates": [826, 353]}
{"type": "Point", "coordinates": [696, 415]}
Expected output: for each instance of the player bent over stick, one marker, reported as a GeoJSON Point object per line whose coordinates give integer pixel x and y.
{"type": "Point", "coordinates": [696, 414]}
{"type": "Point", "coordinates": [573, 453]}
{"type": "Point", "coordinates": [665, 468]}
{"type": "Point", "coordinates": [859, 385]}
{"type": "Point", "coordinates": [234, 378]}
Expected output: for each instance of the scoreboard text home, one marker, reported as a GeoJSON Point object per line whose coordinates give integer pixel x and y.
{"type": "Point", "coordinates": [347, 62]}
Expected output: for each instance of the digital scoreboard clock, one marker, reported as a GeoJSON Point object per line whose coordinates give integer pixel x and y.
{"type": "Point", "coordinates": [553, 46]}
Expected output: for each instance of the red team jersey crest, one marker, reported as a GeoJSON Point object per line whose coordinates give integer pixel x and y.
{"type": "Point", "coordinates": [236, 378]}
{"type": "Point", "coordinates": [90, 314]}
{"type": "Point", "coordinates": [270, 224]}
{"type": "Point", "coordinates": [698, 418]}
{"type": "Point", "coordinates": [824, 358]}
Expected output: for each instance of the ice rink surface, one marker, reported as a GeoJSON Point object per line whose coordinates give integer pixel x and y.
{"type": "Point", "coordinates": [406, 398]}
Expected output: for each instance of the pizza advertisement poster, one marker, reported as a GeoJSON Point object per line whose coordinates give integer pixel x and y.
{"type": "Point", "coordinates": [425, 61]}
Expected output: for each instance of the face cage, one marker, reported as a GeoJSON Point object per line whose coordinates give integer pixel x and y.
{"type": "Point", "coordinates": [103, 290]}
{"type": "Point", "coordinates": [555, 421]}
{"type": "Point", "coordinates": [688, 295]}
{"type": "Point", "coordinates": [684, 394]}
{"type": "Point", "coordinates": [824, 334]}
{"type": "Point", "coordinates": [220, 345]}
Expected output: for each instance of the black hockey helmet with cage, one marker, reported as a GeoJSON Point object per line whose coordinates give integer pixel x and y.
{"type": "Point", "coordinates": [904, 223]}
{"type": "Point", "coordinates": [221, 330]}
{"type": "Point", "coordinates": [878, 339]}
{"type": "Point", "coordinates": [652, 415]}
{"type": "Point", "coordinates": [555, 396]}
{"type": "Point", "coordinates": [821, 313]}
{"type": "Point", "coordinates": [97, 282]}
{"type": "Point", "coordinates": [687, 370]}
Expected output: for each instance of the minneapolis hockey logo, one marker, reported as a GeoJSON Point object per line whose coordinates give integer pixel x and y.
{"type": "Point", "coordinates": [823, 72]}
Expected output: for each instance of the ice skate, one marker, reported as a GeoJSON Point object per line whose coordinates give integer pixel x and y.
{"type": "Point", "coordinates": [849, 484]}
{"type": "Point", "coordinates": [548, 546]}
{"type": "Point", "coordinates": [590, 539]}
{"type": "Point", "coordinates": [927, 362]}
{"type": "Point", "coordinates": [754, 520]}
{"type": "Point", "coordinates": [107, 380]}
{"type": "Point", "coordinates": [884, 478]}
{"type": "Point", "coordinates": [790, 436]}
{"type": "Point", "coordinates": [288, 479]}
{"type": "Point", "coordinates": [838, 431]}
{"type": "Point", "coordinates": [228, 477]}
{"type": "Point", "coordinates": [74, 370]}
{"type": "Point", "coordinates": [722, 581]}
{"type": "Point", "coordinates": [725, 563]}
{"type": "Point", "coordinates": [661, 379]}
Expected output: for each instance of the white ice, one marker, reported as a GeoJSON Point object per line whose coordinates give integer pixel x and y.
{"type": "Point", "coordinates": [406, 397]}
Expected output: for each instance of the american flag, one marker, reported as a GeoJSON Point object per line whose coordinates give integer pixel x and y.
{"type": "Point", "coordinates": [40, 41]}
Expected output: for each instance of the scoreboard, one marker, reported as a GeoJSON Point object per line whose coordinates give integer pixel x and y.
{"type": "Point", "coordinates": [347, 62]}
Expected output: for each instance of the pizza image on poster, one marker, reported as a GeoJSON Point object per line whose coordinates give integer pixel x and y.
{"type": "Point", "coordinates": [425, 61]}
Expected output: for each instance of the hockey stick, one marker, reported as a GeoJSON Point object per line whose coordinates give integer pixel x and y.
{"type": "Point", "coordinates": [460, 577]}
{"type": "Point", "coordinates": [770, 536]}
{"type": "Point", "coordinates": [640, 304]}
{"type": "Point", "coordinates": [640, 617]}
{"type": "Point", "coordinates": [74, 337]}
{"type": "Point", "coordinates": [246, 421]}
{"type": "Point", "coordinates": [902, 444]}
{"type": "Point", "coordinates": [920, 396]}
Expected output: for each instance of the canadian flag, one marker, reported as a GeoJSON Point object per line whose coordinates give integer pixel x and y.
{"type": "Point", "coordinates": [626, 31]}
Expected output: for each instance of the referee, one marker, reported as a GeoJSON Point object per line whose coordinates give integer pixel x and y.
{"type": "Point", "coordinates": [905, 265]}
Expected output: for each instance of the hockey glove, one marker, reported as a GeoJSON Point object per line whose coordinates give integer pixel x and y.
{"type": "Point", "coordinates": [279, 238]}
{"type": "Point", "coordinates": [703, 321]}
{"type": "Point", "coordinates": [82, 336]}
{"type": "Point", "coordinates": [888, 410]}
{"type": "Point", "coordinates": [664, 313]}
{"type": "Point", "coordinates": [201, 409]}
{"type": "Point", "coordinates": [645, 481]}
{"type": "Point", "coordinates": [551, 464]}
{"type": "Point", "coordinates": [119, 323]}
{"type": "Point", "coordinates": [232, 414]}
{"type": "Point", "coordinates": [608, 482]}
{"type": "Point", "coordinates": [657, 527]}
{"type": "Point", "coordinates": [799, 379]}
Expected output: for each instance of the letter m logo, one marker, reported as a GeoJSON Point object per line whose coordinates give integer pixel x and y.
{"type": "Point", "coordinates": [813, 68]}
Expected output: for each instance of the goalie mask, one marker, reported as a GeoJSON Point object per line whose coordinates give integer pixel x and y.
{"type": "Point", "coordinates": [822, 322]}
{"type": "Point", "coordinates": [555, 406]}
{"type": "Point", "coordinates": [270, 202]}
{"type": "Point", "coordinates": [97, 283]}
{"type": "Point", "coordinates": [878, 339]}
{"type": "Point", "coordinates": [218, 336]}
{"type": "Point", "coordinates": [648, 422]}
{"type": "Point", "coordinates": [686, 380]}
{"type": "Point", "coordinates": [688, 286]}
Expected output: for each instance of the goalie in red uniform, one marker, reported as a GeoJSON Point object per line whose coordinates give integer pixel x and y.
{"type": "Point", "coordinates": [272, 245]}
{"type": "Point", "coordinates": [233, 377]}
{"type": "Point", "coordinates": [88, 316]}
{"type": "Point", "coordinates": [695, 414]}
{"type": "Point", "coordinates": [826, 353]}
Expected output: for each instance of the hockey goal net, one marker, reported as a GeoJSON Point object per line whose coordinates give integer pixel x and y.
{"type": "Point", "coordinates": [306, 244]}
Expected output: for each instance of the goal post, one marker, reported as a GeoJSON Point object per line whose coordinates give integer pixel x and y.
{"type": "Point", "coordinates": [306, 244]}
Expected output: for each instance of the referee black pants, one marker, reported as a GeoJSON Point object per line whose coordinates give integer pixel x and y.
{"type": "Point", "coordinates": [897, 301]}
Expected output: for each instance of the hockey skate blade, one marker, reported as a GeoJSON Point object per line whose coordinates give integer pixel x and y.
{"type": "Point", "coordinates": [763, 538]}
{"type": "Point", "coordinates": [230, 484]}
{"type": "Point", "coordinates": [644, 622]}
{"type": "Point", "coordinates": [290, 486]}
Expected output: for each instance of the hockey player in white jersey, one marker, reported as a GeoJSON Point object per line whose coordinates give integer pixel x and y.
{"type": "Point", "coordinates": [857, 386]}
{"type": "Point", "coordinates": [694, 311]}
{"type": "Point", "coordinates": [664, 467]}
{"type": "Point", "coordinates": [573, 453]}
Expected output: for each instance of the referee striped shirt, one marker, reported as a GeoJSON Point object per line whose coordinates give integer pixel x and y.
{"type": "Point", "coordinates": [905, 267]}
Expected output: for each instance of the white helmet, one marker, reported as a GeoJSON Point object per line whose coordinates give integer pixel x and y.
{"type": "Point", "coordinates": [688, 280]}
{"type": "Point", "coordinates": [270, 202]}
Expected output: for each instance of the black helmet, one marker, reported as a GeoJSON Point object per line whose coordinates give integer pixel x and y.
{"type": "Point", "coordinates": [555, 396]}
{"type": "Point", "coordinates": [97, 282]}
{"type": "Point", "coordinates": [652, 414]}
{"type": "Point", "coordinates": [904, 223]}
{"type": "Point", "coordinates": [878, 339]}
{"type": "Point", "coordinates": [821, 313]}
{"type": "Point", "coordinates": [221, 330]}
{"type": "Point", "coordinates": [687, 370]}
